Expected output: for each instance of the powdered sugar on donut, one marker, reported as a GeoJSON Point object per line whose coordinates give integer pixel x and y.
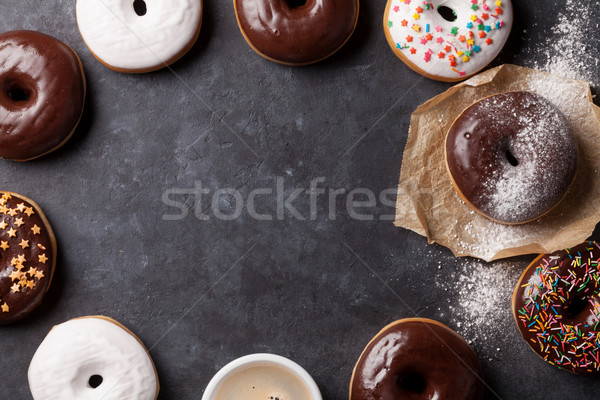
{"type": "Point", "coordinates": [448, 49]}
{"type": "Point", "coordinates": [542, 141]}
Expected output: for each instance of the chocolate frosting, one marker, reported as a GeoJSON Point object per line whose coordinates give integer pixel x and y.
{"type": "Point", "coordinates": [42, 91]}
{"type": "Point", "coordinates": [417, 359]}
{"type": "Point", "coordinates": [296, 35]}
{"type": "Point", "coordinates": [556, 305]}
{"type": "Point", "coordinates": [27, 256]}
{"type": "Point", "coordinates": [512, 156]}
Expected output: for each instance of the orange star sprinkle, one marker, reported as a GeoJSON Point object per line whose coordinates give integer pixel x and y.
{"type": "Point", "coordinates": [23, 282]}
{"type": "Point", "coordinates": [3, 225]}
{"type": "Point", "coordinates": [21, 259]}
{"type": "Point", "coordinates": [32, 271]}
{"type": "Point", "coordinates": [7, 196]}
{"type": "Point", "coordinates": [5, 307]}
{"type": "Point", "coordinates": [489, 41]}
{"type": "Point", "coordinates": [4, 245]}
{"type": "Point", "coordinates": [39, 274]}
{"type": "Point", "coordinates": [19, 222]}
{"type": "Point", "coordinates": [409, 38]}
{"type": "Point", "coordinates": [12, 212]}
{"type": "Point", "coordinates": [3, 209]}
{"type": "Point", "coordinates": [21, 207]}
{"type": "Point", "coordinates": [15, 276]}
{"type": "Point", "coordinates": [35, 229]}
{"type": "Point", "coordinates": [24, 243]}
{"type": "Point", "coordinates": [42, 258]}
{"type": "Point", "coordinates": [12, 232]}
{"type": "Point", "coordinates": [462, 38]}
{"type": "Point", "coordinates": [419, 10]}
{"type": "Point", "coordinates": [14, 261]}
{"type": "Point", "coordinates": [30, 284]}
{"type": "Point", "coordinates": [15, 288]}
{"type": "Point", "coordinates": [29, 211]}
{"type": "Point", "coordinates": [404, 22]}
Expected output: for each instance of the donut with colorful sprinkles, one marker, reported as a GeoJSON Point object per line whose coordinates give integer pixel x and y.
{"type": "Point", "coordinates": [556, 305]}
{"type": "Point", "coordinates": [447, 40]}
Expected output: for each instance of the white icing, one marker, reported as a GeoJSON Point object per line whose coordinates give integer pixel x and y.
{"type": "Point", "coordinates": [496, 27]}
{"type": "Point", "coordinates": [77, 349]}
{"type": "Point", "coordinates": [121, 38]}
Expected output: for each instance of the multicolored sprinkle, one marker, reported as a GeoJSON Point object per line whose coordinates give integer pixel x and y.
{"type": "Point", "coordinates": [557, 308]}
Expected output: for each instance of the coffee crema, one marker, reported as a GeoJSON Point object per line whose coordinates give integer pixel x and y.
{"type": "Point", "coordinates": [262, 382]}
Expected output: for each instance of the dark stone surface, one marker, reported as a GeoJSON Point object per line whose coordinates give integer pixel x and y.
{"type": "Point", "coordinates": [201, 293]}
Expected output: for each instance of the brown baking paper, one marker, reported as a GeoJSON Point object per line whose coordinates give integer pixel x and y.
{"type": "Point", "coordinates": [428, 204]}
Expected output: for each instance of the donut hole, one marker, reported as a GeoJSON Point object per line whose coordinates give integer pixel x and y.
{"type": "Point", "coordinates": [139, 6]}
{"type": "Point", "coordinates": [512, 160]}
{"type": "Point", "coordinates": [17, 92]}
{"type": "Point", "coordinates": [296, 3]}
{"type": "Point", "coordinates": [95, 381]}
{"type": "Point", "coordinates": [411, 381]}
{"type": "Point", "coordinates": [574, 307]}
{"type": "Point", "coordinates": [447, 13]}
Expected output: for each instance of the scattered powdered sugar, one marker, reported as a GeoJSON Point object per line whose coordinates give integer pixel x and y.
{"type": "Point", "coordinates": [480, 297]}
{"type": "Point", "coordinates": [569, 48]}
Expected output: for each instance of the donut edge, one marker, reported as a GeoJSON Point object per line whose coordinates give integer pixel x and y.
{"type": "Point", "coordinates": [464, 199]}
{"type": "Point", "coordinates": [237, 18]}
{"type": "Point", "coordinates": [413, 66]}
{"type": "Point", "coordinates": [162, 64]}
{"type": "Point", "coordinates": [426, 321]}
{"type": "Point", "coordinates": [52, 238]}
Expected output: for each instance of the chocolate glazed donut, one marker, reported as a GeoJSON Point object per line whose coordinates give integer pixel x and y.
{"type": "Point", "coordinates": [42, 91]}
{"type": "Point", "coordinates": [296, 32]}
{"type": "Point", "coordinates": [417, 358]}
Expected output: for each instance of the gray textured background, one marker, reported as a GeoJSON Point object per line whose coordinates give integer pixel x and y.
{"type": "Point", "coordinates": [201, 293]}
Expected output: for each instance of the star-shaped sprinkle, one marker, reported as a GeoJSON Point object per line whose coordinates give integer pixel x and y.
{"type": "Point", "coordinates": [473, 18]}
{"type": "Point", "coordinates": [4, 245]}
{"type": "Point", "coordinates": [441, 54]}
{"type": "Point", "coordinates": [42, 258]}
{"type": "Point", "coordinates": [469, 25]}
{"type": "Point", "coordinates": [454, 30]}
{"type": "Point", "coordinates": [14, 261]}
{"type": "Point", "coordinates": [416, 28]}
{"type": "Point", "coordinates": [476, 49]}
{"type": "Point", "coordinates": [498, 3]}
{"type": "Point", "coordinates": [15, 288]}
{"type": "Point", "coordinates": [404, 22]}
{"type": "Point", "coordinates": [29, 211]}
{"type": "Point", "coordinates": [3, 201]}
{"type": "Point", "coordinates": [3, 225]}
{"type": "Point", "coordinates": [423, 41]}
{"type": "Point", "coordinates": [396, 9]}
{"type": "Point", "coordinates": [390, 24]}
{"type": "Point", "coordinates": [438, 28]}
{"type": "Point", "coordinates": [486, 8]}
{"type": "Point", "coordinates": [489, 41]}
{"type": "Point", "coordinates": [21, 207]}
{"type": "Point", "coordinates": [7, 196]}
{"type": "Point", "coordinates": [23, 282]}
{"type": "Point", "coordinates": [15, 275]}
{"type": "Point", "coordinates": [4, 209]}
{"type": "Point", "coordinates": [30, 284]}
{"type": "Point", "coordinates": [35, 229]}
{"type": "Point", "coordinates": [465, 58]}
{"type": "Point", "coordinates": [474, 7]}
{"type": "Point", "coordinates": [416, 16]}
{"type": "Point", "coordinates": [429, 37]}
{"type": "Point", "coordinates": [482, 34]}
{"type": "Point", "coordinates": [409, 38]}
{"type": "Point", "coordinates": [32, 271]}
{"type": "Point", "coordinates": [462, 38]}
{"type": "Point", "coordinates": [21, 258]}
{"type": "Point", "coordinates": [440, 39]}
{"type": "Point", "coordinates": [5, 307]}
{"type": "Point", "coordinates": [447, 49]}
{"type": "Point", "coordinates": [39, 274]}
{"type": "Point", "coordinates": [19, 222]}
{"type": "Point", "coordinates": [498, 10]}
{"type": "Point", "coordinates": [485, 16]}
{"type": "Point", "coordinates": [470, 42]}
{"type": "Point", "coordinates": [413, 50]}
{"type": "Point", "coordinates": [488, 28]}
{"type": "Point", "coordinates": [12, 212]}
{"type": "Point", "coordinates": [24, 243]}
{"type": "Point", "coordinates": [12, 232]}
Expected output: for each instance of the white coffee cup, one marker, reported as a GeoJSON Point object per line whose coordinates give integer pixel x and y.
{"type": "Point", "coordinates": [262, 376]}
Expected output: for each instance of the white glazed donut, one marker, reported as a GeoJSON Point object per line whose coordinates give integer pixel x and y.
{"type": "Point", "coordinates": [125, 41]}
{"type": "Point", "coordinates": [92, 358]}
{"type": "Point", "coordinates": [447, 50]}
